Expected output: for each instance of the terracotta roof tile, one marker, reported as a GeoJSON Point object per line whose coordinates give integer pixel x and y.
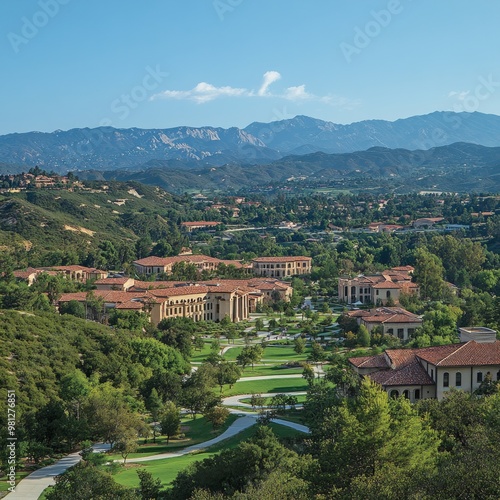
{"type": "Point", "coordinates": [281, 259]}
{"type": "Point", "coordinates": [410, 374]}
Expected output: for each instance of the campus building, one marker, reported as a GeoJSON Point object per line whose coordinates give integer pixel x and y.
{"type": "Point", "coordinates": [377, 289]}
{"type": "Point", "coordinates": [201, 301]}
{"type": "Point", "coordinates": [157, 265]}
{"type": "Point", "coordinates": [394, 321]}
{"type": "Point", "coordinates": [280, 267]}
{"type": "Point", "coordinates": [431, 372]}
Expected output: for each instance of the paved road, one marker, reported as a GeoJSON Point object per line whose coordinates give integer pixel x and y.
{"type": "Point", "coordinates": [31, 487]}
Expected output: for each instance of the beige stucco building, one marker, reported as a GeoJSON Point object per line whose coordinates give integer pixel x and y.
{"type": "Point", "coordinates": [394, 321]}
{"type": "Point", "coordinates": [201, 301]}
{"type": "Point", "coordinates": [431, 372]}
{"type": "Point", "coordinates": [280, 267]}
{"type": "Point", "coordinates": [157, 265]}
{"type": "Point", "coordinates": [377, 289]}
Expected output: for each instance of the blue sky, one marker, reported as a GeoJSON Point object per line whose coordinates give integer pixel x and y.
{"type": "Point", "coordinates": [164, 63]}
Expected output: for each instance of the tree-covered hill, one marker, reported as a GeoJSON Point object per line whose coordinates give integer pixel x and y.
{"type": "Point", "coordinates": [38, 349]}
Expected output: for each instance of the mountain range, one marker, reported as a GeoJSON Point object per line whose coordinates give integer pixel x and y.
{"type": "Point", "coordinates": [458, 167]}
{"type": "Point", "coordinates": [107, 148]}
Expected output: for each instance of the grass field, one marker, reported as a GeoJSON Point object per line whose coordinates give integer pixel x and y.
{"type": "Point", "coordinates": [269, 369]}
{"type": "Point", "coordinates": [263, 386]}
{"type": "Point", "coordinates": [166, 470]}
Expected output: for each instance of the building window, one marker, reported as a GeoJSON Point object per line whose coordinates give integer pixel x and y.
{"type": "Point", "coordinates": [432, 373]}
{"type": "Point", "coordinates": [446, 379]}
{"type": "Point", "coordinates": [479, 377]}
{"type": "Point", "coordinates": [406, 394]}
{"type": "Point", "coordinates": [498, 375]}
{"type": "Point", "coordinates": [401, 333]}
{"type": "Point", "coordinates": [388, 294]}
{"type": "Point", "coordinates": [458, 379]}
{"type": "Point", "coordinates": [394, 394]}
{"type": "Point", "coordinates": [417, 394]}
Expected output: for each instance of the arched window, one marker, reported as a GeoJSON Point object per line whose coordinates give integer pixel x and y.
{"type": "Point", "coordinates": [406, 394]}
{"type": "Point", "coordinates": [446, 379]}
{"type": "Point", "coordinates": [479, 377]}
{"type": "Point", "coordinates": [458, 379]}
{"type": "Point", "coordinates": [394, 394]}
{"type": "Point", "coordinates": [498, 375]}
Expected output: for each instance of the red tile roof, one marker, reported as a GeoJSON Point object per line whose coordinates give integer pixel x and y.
{"type": "Point", "coordinates": [466, 354]}
{"type": "Point", "coordinates": [411, 374]}
{"type": "Point", "coordinates": [200, 223]}
{"type": "Point", "coordinates": [281, 259]}
{"type": "Point", "coordinates": [377, 361]}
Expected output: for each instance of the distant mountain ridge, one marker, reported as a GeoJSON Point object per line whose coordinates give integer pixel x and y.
{"type": "Point", "coordinates": [457, 167]}
{"type": "Point", "coordinates": [107, 148]}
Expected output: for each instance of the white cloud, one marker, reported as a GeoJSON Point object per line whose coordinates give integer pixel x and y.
{"type": "Point", "coordinates": [205, 92]}
{"type": "Point", "coordinates": [269, 78]}
{"type": "Point", "coordinates": [297, 93]}
{"type": "Point", "coordinates": [460, 95]}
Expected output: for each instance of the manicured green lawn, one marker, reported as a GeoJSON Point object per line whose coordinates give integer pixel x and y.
{"type": "Point", "coordinates": [232, 353]}
{"type": "Point", "coordinates": [285, 353]}
{"type": "Point", "coordinates": [264, 386]}
{"type": "Point", "coordinates": [261, 370]}
{"type": "Point", "coordinates": [168, 469]}
{"type": "Point", "coordinates": [200, 356]}
{"type": "Point", "coordinates": [196, 431]}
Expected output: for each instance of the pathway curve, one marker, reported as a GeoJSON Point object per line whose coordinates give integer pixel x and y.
{"type": "Point", "coordinates": [32, 486]}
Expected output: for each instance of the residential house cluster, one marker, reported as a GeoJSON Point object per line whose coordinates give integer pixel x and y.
{"type": "Point", "coordinates": [379, 288]}
{"type": "Point", "coordinates": [431, 372]}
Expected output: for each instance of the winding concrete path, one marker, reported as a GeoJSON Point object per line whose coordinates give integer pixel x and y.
{"type": "Point", "coordinates": [32, 486]}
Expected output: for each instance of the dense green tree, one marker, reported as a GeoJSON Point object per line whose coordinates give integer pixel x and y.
{"type": "Point", "coordinates": [84, 481]}
{"type": "Point", "coordinates": [170, 420]}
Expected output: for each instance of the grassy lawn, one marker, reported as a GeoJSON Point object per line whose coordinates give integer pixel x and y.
{"type": "Point", "coordinates": [264, 386]}
{"type": "Point", "coordinates": [168, 469]}
{"type": "Point", "coordinates": [196, 431]}
{"type": "Point", "coordinates": [285, 353]}
{"type": "Point", "coordinates": [231, 354]}
{"type": "Point", "coordinates": [200, 356]}
{"type": "Point", "coordinates": [4, 485]}
{"type": "Point", "coordinates": [261, 370]}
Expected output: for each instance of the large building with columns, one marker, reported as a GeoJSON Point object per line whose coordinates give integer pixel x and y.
{"type": "Point", "coordinates": [377, 289]}
{"type": "Point", "coordinates": [201, 301]}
